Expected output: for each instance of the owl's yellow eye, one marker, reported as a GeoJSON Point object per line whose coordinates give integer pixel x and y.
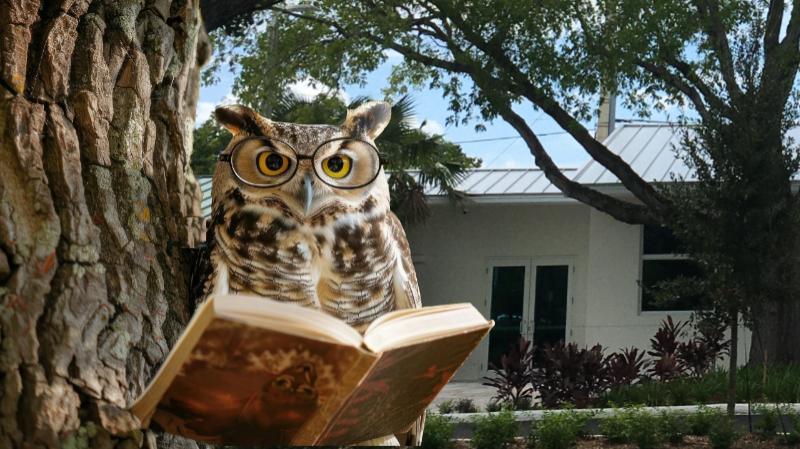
{"type": "Point", "coordinates": [337, 166]}
{"type": "Point", "coordinates": [272, 164]}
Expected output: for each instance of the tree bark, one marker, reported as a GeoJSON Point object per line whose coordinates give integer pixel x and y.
{"type": "Point", "coordinates": [97, 101]}
{"type": "Point", "coordinates": [776, 333]}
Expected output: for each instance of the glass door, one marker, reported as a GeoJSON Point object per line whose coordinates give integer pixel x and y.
{"type": "Point", "coordinates": [508, 295]}
{"type": "Point", "coordinates": [550, 304]}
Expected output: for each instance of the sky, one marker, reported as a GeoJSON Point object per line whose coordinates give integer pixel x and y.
{"type": "Point", "coordinates": [507, 151]}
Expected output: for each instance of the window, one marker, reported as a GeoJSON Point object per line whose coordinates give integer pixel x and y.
{"type": "Point", "coordinates": [662, 261]}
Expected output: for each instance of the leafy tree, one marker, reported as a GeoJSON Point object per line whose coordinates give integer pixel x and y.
{"type": "Point", "coordinates": [414, 160]}
{"type": "Point", "coordinates": [732, 64]}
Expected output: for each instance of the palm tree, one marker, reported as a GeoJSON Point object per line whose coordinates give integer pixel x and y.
{"type": "Point", "coordinates": [415, 160]}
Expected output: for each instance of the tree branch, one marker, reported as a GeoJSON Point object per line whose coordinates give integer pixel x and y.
{"type": "Point", "coordinates": [719, 40]}
{"type": "Point", "coordinates": [619, 209]}
{"type": "Point", "coordinates": [662, 73]}
{"type": "Point", "coordinates": [599, 152]}
{"type": "Point", "coordinates": [217, 13]}
{"type": "Point", "coordinates": [711, 98]}
{"type": "Point", "coordinates": [772, 27]}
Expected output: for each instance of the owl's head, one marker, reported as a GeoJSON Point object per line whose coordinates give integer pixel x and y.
{"type": "Point", "coordinates": [307, 168]}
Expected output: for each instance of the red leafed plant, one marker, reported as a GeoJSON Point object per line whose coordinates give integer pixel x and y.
{"type": "Point", "coordinates": [566, 374]}
{"type": "Point", "coordinates": [699, 354]}
{"type": "Point", "coordinates": [666, 365]}
{"type": "Point", "coordinates": [512, 378]}
{"type": "Point", "coordinates": [626, 367]}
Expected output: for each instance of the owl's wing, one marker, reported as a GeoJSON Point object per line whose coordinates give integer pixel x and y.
{"type": "Point", "coordinates": [405, 277]}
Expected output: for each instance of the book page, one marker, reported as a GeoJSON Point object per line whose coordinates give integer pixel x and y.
{"type": "Point", "coordinates": [400, 387]}
{"type": "Point", "coordinates": [411, 326]}
{"type": "Point", "coordinates": [243, 385]}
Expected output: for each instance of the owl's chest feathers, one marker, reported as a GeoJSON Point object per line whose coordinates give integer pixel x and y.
{"type": "Point", "coordinates": [342, 265]}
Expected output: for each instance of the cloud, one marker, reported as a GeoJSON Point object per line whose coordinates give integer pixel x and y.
{"type": "Point", "coordinates": [392, 55]}
{"type": "Point", "coordinates": [432, 127]}
{"type": "Point", "coordinates": [310, 88]}
{"type": "Point", "coordinates": [204, 110]}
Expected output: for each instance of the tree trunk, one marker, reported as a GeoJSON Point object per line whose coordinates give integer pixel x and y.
{"type": "Point", "coordinates": [733, 361]}
{"type": "Point", "coordinates": [776, 333]}
{"type": "Point", "coordinates": [97, 101]}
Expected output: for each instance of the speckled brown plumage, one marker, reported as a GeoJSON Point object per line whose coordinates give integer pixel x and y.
{"type": "Point", "coordinates": [348, 256]}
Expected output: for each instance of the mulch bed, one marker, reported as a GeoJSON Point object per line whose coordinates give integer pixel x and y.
{"type": "Point", "coordinates": [745, 442]}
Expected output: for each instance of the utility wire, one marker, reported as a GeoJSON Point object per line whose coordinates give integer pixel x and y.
{"type": "Point", "coordinates": [494, 139]}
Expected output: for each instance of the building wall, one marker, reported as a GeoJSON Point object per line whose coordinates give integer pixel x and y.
{"type": "Point", "coordinates": [453, 250]}
{"type": "Point", "coordinates": [613, 313]}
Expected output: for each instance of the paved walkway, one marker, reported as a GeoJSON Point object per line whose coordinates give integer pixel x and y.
{"type": "Point", "coordinates": [480, 394]}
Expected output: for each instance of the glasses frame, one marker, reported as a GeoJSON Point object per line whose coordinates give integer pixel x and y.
{"type": "Point", "coordinates": [228, 157]}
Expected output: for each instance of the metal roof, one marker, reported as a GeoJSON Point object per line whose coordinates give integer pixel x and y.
{"type": "Point", "coordinates": [205, 189]}
{"type": "Point", "coordinates": [648, 148]}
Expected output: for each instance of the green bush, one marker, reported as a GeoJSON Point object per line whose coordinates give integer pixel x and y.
{"type": "Point", "coordinates": [615, 427]}
{"type": "Point", "coordinates": [633, 425]}
{"type": "Point", "coordinates": [521, 404]}
{"type": "Point", "coordinates": [557, 430]}
{"type": "Point", "coordinates": [673, 427]}
{"type": "Point", "coordinates": [791, 435]}
{"type": "Point", "coordinates": [779, 386]}
{"type": "Point", "coordinates": [447, 407]}
{"type": "Point", "coordinates": [496, 430]}
{"type": "Point", "coordinates": [495, 406]}
{"type": "Point", "coordinates": [722, 433]}
{"type": "Point", "coordinates": [438, 432]}
{"type": "Point", "coordinates": [766, 425]}
{"type": "Point", "coordinates": [645, 429]}
{"type": "Point", "coordinates": [466, 405]}
{"type": "Point", "coordinates": [701, 422]}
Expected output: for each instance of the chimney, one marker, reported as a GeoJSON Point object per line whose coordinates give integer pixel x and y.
{"type": "Point", "coordinates": [607, 116]}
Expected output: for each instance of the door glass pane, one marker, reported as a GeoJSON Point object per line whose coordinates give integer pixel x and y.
{"type": "Point", "coordinates": [508, 296]}
{"type": "Point", "coordinates": [550, 308]}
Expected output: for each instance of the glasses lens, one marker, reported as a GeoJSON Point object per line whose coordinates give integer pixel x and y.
{"type": "Point", "coordinates": [347, 163]}
{"type": "Point", "coordinates": [263, 162]}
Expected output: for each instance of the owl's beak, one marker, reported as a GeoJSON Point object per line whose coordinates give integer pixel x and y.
{"type": "Point", "coordinates": [307, 193]}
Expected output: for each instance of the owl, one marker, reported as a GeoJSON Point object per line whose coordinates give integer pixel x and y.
{"type": "Point", "coordinates": [301, 215]}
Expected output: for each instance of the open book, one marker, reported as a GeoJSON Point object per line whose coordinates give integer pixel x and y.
{"type": "Point", "coordinates": [252, 371]}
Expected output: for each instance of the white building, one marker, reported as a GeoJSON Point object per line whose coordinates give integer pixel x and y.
{"type": "Point", "coordinates": [544, 264]}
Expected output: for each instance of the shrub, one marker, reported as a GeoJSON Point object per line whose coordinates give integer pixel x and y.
{"type": "Point", "coordinates": [664, 347]}
{"type": "Point", "coordinates": [644, 429]}
{"type": "Point", "coordinates": [567, 374]}
{"type": "Point", "coordinates": [615, 427]}
{"type": "Point", "coordinates": [495, 406]}
{"type": "Point", "coordinates": [465, 405]}
{"type": "Point", "coordinates": [496, 430]}
{"type": "Point", "coordinates": [701, 422]}
{"type": "Point", "coordinates": [722, 433]}
{"type": "Point", "coordinates": [791, 436]}
{"type": "Point", "coordinates": [557, 430]}
{"type": "Point", "coordinates": [673, 427]}
{"type": "Point", "coordinates": [625, 367]}
{"type": "Point", "coordinates": [438, 432]}
{"type": "Point", "coordinates": [512, 378]}
{"type": "Point", "coordinates": [699, 354]}
{"type": "Point", "coordinates": [766, 425]}
{"type": "Point", "coordinates": [447, 407]}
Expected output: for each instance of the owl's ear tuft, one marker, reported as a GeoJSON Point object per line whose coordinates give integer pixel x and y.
{"type": "Point", "coordinates": [369, 119]}
{"type": "Point", "coordinates": [238, 119]}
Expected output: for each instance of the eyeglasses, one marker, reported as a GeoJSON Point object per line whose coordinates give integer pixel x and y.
{"type": "Point", "coordinates": [343, 163]}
